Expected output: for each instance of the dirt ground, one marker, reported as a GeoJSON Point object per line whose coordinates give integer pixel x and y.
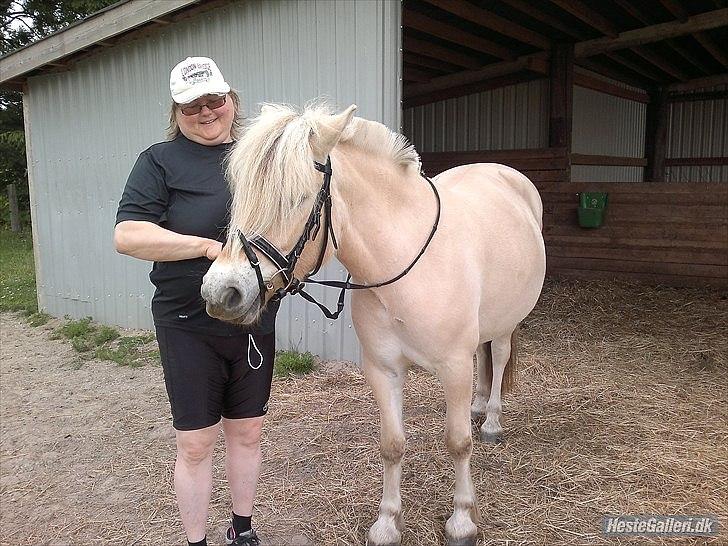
{"type": "Point", "coordinates": [622, 407]}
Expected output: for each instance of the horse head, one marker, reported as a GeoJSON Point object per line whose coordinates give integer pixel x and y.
{"type": "Point", "coordinates": [273, 172]}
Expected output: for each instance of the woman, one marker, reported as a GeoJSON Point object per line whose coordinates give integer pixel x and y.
{"type": "Point", "coordinates": [173, 212]}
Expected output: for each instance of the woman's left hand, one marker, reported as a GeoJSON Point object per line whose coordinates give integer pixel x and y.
{"type": "Point", "coordinates": [213, 250]}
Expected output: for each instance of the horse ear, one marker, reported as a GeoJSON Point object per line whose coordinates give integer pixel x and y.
{"type": "Point", "coordinates": [329, 131]}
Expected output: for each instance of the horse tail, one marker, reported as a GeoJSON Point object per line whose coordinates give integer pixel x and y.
{"type": "Point", "coordinates": [510, 371]}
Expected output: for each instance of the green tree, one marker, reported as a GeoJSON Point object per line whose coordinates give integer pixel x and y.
{"type": "Point", "coordinates": [24, 22]}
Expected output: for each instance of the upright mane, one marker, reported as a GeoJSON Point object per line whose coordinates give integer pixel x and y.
{"type": "Point", "coordinates": [269, 169]}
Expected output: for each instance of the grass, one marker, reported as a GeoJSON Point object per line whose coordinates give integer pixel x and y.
{"type": "Point", "coordinates": [106, 343]}
{"type": "Point", "coordinates": [17, 273]}
{"type": "Point", "coordinates": [289, 363]}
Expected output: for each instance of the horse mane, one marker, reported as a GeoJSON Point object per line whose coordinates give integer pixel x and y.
{"type": "Point", "coordinates": [269, 168]}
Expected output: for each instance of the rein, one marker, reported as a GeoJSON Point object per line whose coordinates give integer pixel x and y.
{"type": "Point", "coordinates": [286, 264]}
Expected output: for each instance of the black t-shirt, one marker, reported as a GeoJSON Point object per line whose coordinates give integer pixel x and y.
{"type": "Point", "coordinates": [180, 186]}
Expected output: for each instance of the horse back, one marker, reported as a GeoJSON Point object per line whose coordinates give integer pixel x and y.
{"type": "Point", "coordinates": [489, 182]}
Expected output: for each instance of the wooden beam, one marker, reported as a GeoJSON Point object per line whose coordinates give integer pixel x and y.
{"type": "Point", "coordinates": [637, 13]}
{"type": "Point", "coordinates": [607, 160]}
{"type": "Point", "coordinates": [592, 18]}
{"type": "Point", "coordinates": [423, 23]}
{"type": "Point", "coordinates": [675, 9]}
{"type": "Point", "coordinates": [691, 58]}
{"type": "Point", "coordinates": [547, 19]}
{"type": "Point", "coordinates": [699, 83]}
{"type": "Point", "coordinates": [712, 48]}
{"type": "Point", "coordinates": [436, 51]}
{"type": "Point", "coordinates": [693, 97]}
{"type": "Point", "coordinates": [413, 74]}
{"type": "Point", "coordinates": [536, 62]}
{"type": "Point", "coordinates": [102, 26]}
{"type": "Point", "coordinates": [660, 63]}
{"type": "Point", "coordinates": [469, 89]}
{"type": "Point", "coordinates": [594, 66]}
{"type": "Point", "coordinates": [647, 70]}
{"type": "Point", "coordinates": [428, 62]}
{"type": "Point", "coordinates": [654, 33]}
{"type": "Point", "coordinates": [656, 136]}
{"type": "Point", "coordinates": [492, 21]}
{"type": "Point", "coordinates": [589, 82]}
{"type": "Point", "coordinates": [695, 161]}
{"type": "Point", "coordinates": [561, 93]}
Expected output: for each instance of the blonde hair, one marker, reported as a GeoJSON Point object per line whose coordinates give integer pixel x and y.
{"type": "Point", "coordinates": [235, 131]}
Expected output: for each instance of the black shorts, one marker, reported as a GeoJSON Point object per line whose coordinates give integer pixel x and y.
{"type": "Point", "coordinates": [209, 377]}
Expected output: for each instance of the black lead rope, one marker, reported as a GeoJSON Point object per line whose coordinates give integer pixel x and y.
{"type": "Point", "coordinates": [286, 264]}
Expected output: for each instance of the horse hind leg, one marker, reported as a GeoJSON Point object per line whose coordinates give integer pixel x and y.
{"type": "Point", "coordinates": [484, 377]}
{"type": "Point", "coordinates": [461, 528]}
{"type": "Point", "coordinates": [504, 356]}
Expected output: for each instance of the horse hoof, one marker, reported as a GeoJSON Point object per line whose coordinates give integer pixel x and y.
{"type": "Point", "coordinates": [465, 541]}
{"type": "Point", "coordinates": [491, 438]}
{"type": "Point", "coordinates": [367, 543]}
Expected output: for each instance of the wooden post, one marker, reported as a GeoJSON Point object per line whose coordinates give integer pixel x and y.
{"type": "Point", "coordinates": [561, 93]}
{"type": "Point", "coordinates": [656, 135]}
{"type": "Point", "coordinates": [14, 212]}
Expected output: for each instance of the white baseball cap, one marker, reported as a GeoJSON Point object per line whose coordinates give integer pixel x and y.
{"type": "Point", "coordinates": [195, 77]}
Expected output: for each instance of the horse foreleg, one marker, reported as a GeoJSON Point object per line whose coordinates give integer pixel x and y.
{"type": "Point", "coordinates": [387, 387]}
{"type": "Point", "coordinates": [491, 431]}
{"type": "Point", "coordinates": [482, 383]}
{"type": "Point", "coordinates": [457, 380]}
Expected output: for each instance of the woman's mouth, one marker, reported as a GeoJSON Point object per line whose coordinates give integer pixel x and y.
{"type": "Point", "coordinates": [208, 122]}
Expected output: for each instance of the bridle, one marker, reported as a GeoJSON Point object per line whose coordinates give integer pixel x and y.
{"type": "Point", "coordinates": [286, 264]}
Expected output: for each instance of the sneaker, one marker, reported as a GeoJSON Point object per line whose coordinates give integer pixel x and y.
{"type": "Point", "coordinates": [248, 538]}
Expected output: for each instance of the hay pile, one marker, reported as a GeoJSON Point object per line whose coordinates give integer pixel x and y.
{"type": "Point", "coordinates": [621, 408]}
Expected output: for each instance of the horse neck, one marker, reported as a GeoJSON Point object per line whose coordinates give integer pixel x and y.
{"type": "Point", "coordinates": [382, 214]}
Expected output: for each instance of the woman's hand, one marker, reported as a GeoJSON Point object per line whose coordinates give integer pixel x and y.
{"type": "Point", "coordinates": [213, 250]}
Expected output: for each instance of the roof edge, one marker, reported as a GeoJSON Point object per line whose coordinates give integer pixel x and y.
{"type": "Point", "coordinates": [112, 21]}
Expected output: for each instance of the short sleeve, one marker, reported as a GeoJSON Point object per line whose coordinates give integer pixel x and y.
{"type": "Point", "coordinates": [145, 195]}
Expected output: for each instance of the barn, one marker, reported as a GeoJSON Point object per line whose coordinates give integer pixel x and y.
{"type": "Point", "coordinates": [625, 101]}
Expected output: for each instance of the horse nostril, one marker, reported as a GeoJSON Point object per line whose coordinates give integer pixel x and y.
{"type": "Point", "coordinates": [232, 298]}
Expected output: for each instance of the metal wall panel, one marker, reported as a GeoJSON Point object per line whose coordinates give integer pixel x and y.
{"type": "Point", "coordinates": [607, 125]}
{"type": "Point", "coordinates": [698, 129]}
{"type": "Point", "coordinates": [509, 117]}
{"type": "Point", "coordinates": [88, 125]}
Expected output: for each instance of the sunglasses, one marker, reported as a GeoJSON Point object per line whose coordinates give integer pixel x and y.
{"type": "Point", "coordinates": [212, 104]}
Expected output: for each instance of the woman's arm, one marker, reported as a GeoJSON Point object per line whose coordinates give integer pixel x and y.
{"type": "Point", "coordinates": [148, 241]}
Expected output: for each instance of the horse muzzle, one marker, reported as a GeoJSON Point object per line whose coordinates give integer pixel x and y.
{"type": "Point", "coordinates": [228, 302]}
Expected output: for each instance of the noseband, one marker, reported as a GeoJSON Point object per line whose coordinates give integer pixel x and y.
{"type": "Point", "coordinates": [286, 264]}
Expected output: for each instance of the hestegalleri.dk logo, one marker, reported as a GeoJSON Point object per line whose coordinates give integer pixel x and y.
{"type": "Point", "coordinates": [649, 525]}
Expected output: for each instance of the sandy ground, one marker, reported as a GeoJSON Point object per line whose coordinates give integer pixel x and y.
{"type": "Point", "coordinates": [86, 451]}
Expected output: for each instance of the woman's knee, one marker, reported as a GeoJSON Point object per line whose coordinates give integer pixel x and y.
{"type": "Point", "coordinates": [195, 446]}
{"type": "Point", "coordinates": [243, 432]}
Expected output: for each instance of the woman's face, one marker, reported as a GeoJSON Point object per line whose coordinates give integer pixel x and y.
{"type": "Point", "coordinates": [209, 127]}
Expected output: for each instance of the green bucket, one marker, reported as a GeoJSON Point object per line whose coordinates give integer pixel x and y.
{"type": "Point", "coordinates": [592, 206]}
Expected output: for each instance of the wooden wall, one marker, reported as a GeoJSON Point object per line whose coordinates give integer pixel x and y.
{"type": "Point", "coordinates": [661, 233]}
